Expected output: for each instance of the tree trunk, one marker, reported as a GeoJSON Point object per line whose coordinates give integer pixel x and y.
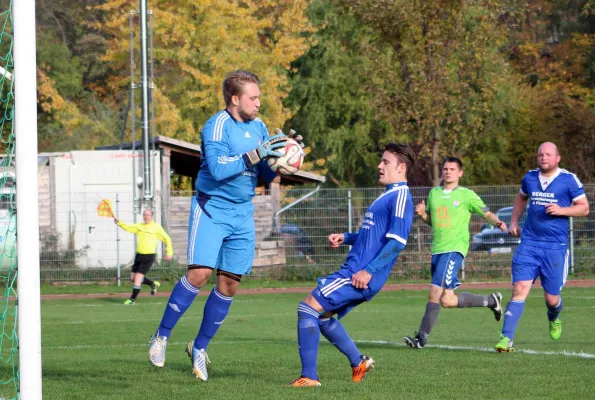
{"type": "Point", "coordinates": [436, 157]}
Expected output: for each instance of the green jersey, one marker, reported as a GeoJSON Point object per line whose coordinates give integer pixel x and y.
{"type": "Point", "coordinates": [450, 212]}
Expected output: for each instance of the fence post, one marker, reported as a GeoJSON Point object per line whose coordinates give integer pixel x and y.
{"type": "Point", "coordinates": [349, 214]}
{"type": "Point", "coordinates": [118, 240]}
{"type": "Point", "coordinates": [571, 232]}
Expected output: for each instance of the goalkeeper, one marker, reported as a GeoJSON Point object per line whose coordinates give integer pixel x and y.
{"type": "Point", "coordinates": [234, 147]}
{"type": "Point", "coordinates": [148, 233]}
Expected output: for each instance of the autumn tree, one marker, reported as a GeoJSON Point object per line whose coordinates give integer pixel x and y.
{"type": "Point", "coordinates": [197, 43]}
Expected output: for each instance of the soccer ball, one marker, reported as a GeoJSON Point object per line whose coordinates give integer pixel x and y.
{"type": "Point", "coordinates": [291, 162]}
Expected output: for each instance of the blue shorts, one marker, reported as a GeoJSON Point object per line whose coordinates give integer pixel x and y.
{"type": "Point", "coordinates": [221, 238]}
{"type": "Point", "coordinates": [335, 293]}
{"type": "Point", "coordinates": [550, 265]}
{"type": "Point", "coordinates": [445, 268]}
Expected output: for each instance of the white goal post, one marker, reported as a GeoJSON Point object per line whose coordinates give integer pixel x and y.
{"type": "Point", "coordinates": [25, 128]}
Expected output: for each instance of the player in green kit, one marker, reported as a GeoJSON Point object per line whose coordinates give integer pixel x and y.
{"type": "Point", "coordinates": [448, 212]}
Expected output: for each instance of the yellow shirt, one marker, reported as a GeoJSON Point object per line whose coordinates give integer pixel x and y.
{"type": "Point", "coordinates": [147, 237]}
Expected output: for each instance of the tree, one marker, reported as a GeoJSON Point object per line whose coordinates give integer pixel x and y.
{"type": "Point", "coordinates": [197, 43]}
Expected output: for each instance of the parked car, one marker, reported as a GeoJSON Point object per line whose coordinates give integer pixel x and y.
{"type": "Point", "coordinates": [303, 244]}
{"type": "Point", "coordinates": [493, 239]}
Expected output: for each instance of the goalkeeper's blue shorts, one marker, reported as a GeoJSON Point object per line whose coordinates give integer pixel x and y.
{"type": "Point", "coordinates": [221, 237]}
{"type": "Point", "coordinates": [336, 294]}
{"type": "Point", "coordinates": [550, 265]}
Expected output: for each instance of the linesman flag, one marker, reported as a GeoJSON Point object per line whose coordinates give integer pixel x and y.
{"type": "Point", "coordinates": [104, 209]}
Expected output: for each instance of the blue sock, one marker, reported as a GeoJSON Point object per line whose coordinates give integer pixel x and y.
{"type": "Point", "coordinates": [554, 312]}
{"type": "Point", "coordinates": [308, 339]}
{"type": "Point", "coordinates": [216, 309]}
{"type": "Point", "coordinates": [514, 311]}
{"type": "Point", "coordinates": [180, 299]}
{"type": "Point", "coordinates": [334, 331]}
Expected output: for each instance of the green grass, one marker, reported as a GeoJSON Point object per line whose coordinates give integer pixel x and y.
{"type": "Point", "coordinates": [97, 349]}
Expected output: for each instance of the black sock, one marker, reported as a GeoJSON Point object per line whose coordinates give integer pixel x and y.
{"type": "Point", "coordinates": [429, 319]}
{"type": "Point", "coordinates": [475, 300]}
{"type": "Point", "coordinates": [149, 282]}
{"type": "Point", "coordinates": [135, 292]}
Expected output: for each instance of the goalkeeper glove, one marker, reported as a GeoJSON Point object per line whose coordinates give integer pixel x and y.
{"type": "Point", "coordinates": [293, 135]}
{"type": "Point", "coordinates": [266, 150]}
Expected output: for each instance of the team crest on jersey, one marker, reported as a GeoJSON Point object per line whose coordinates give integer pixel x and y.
{"type": "Point", "coordinates": [456, 203]}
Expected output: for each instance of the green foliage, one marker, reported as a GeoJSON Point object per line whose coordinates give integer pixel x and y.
{"type": "Point", "coordinates": [483, 80]}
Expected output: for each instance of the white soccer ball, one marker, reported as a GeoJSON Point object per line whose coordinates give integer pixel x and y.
{"type": "Point", "coordinates": [291, 161]}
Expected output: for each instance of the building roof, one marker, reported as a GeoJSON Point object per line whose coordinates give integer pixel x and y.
{"type": "Point", "coordinates": [185, 156]}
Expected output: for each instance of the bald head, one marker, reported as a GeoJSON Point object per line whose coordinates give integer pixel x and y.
{"type": "Point", "coordinates": [548, 158]}
{"type": "Point", "coordinates": [548, 146]}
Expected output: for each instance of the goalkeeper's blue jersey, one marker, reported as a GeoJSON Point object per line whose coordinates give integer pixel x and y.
{"type": "Point", "coordinates": [541, 229]}
{"type": "Point", "coordinates": [223, 177]}
{"type": "Point", "coordinates": [389, 217]}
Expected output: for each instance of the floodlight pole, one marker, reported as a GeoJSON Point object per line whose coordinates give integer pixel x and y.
{"type": "Point", "coordinates": [25, 120]}
{"type": "Point", "coordinates": [144, 79]}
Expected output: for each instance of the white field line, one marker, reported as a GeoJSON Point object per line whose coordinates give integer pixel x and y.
{"type": "Point", "coordinates": [488, 349]}
{"type": "Point", "coordinates": [378, 342]}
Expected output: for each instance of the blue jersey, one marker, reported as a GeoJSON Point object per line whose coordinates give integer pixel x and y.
{"type": "Point", "coordinates": [541, 229]}
{"type": "Point", "coordinates": [224, 177]}
{"type": "Point", "coordinates": [389, 217]}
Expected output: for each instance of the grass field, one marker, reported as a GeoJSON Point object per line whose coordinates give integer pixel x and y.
{"type": "Point", "coordinates": [97, 349]}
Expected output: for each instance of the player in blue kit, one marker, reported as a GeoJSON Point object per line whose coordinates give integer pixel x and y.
{"type": "Point", "coordinates": [554, 194]}
{"type": "Point", "coordinates": [382, 236]}
{"type": "Point", "coordinates": [234, 148]}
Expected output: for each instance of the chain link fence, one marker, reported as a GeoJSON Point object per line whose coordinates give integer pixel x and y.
{"type": "Point", "coordinates": [291, 236]}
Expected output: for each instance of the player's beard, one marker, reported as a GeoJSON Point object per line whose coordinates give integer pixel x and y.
{"type": "Point", "coordinates": [246, 116]}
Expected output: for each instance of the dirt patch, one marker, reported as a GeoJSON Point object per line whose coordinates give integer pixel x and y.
{"type": "Point", "coordinates": [386, 288]}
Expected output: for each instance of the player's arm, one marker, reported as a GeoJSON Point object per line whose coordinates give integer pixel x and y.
{"type": "Point", "coordinates": [388, 255]}
{"type": "Point", "coordinates": [128, 228]}
{"type": "Point", "coordinates": [265, 173]}
{"type": "Point", "coordinates": [337, 239]}
{"type": "Point", "coordinates": [579, 208]}
{"type": "Point", "coordinates": [520, 204]}
{"type": "Point", "coordinates": [477, 206]}
{"type": "Point", "coordinates": [421, 211]}
{"type": "Point", "coordinates": [492, 219]}
{"type": "Point", "coordinates": [164, 237]}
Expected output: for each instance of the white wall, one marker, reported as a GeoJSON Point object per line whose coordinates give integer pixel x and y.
{"type": "Point", "coordinates": [82, 180]}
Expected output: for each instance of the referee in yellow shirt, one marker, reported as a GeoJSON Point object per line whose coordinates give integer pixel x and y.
{"type": "Point", "coordinates": [148, 232]}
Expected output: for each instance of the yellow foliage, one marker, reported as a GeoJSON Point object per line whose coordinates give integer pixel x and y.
{"type": "Point", "coordinates": [197, 43]}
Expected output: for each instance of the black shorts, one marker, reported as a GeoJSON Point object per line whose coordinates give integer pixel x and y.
{"type": "Point", "coordinates": [143, 263]}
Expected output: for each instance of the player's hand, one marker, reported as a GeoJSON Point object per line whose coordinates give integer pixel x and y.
{"type": "Point", "coordinates": [420, 209]}
{"type": "Point", "coordinates": [116, 220]}
{"type": "Point", "coordinates": [501, 225]}
{"type": "Point", "coordinates": [514, 230]}
{"type": "Point", "coordinates": [335, 240]}
{"type": "Point", "coordinates": [267, 149]}
{"type": "Point", "coordinates": [360, 279]}
{"type": "Point", "coordinates": [292, 135]}
{"type": "Point", "coordinates": [554, 209]}
{"type": "Point", "coordinates": [169, 258]}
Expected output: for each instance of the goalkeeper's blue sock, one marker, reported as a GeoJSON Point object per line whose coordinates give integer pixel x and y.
{"type": "Point", "coordinates": [334, 331]}
{"type": "Point", "coordinates": [514, 311]}
{"type": "Point", "coordinates": [180, 299]}
{"type": "Point", "coordinates": [308, 339]}
{"type": "Point", "coordinates": [216, 309]}
{"type": "Point", "coordinates": [554, 312]}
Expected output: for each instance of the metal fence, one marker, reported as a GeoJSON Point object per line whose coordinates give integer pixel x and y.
{"type": "Point", "coordinates": [86, 248]}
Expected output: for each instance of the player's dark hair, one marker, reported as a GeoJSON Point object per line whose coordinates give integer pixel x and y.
{"type": "Point", "coordinates": [404, 154]}
{"type": "Point", "coordinates": [234, 82]}
{"type": "Point", "coordinates": [452, 159]}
